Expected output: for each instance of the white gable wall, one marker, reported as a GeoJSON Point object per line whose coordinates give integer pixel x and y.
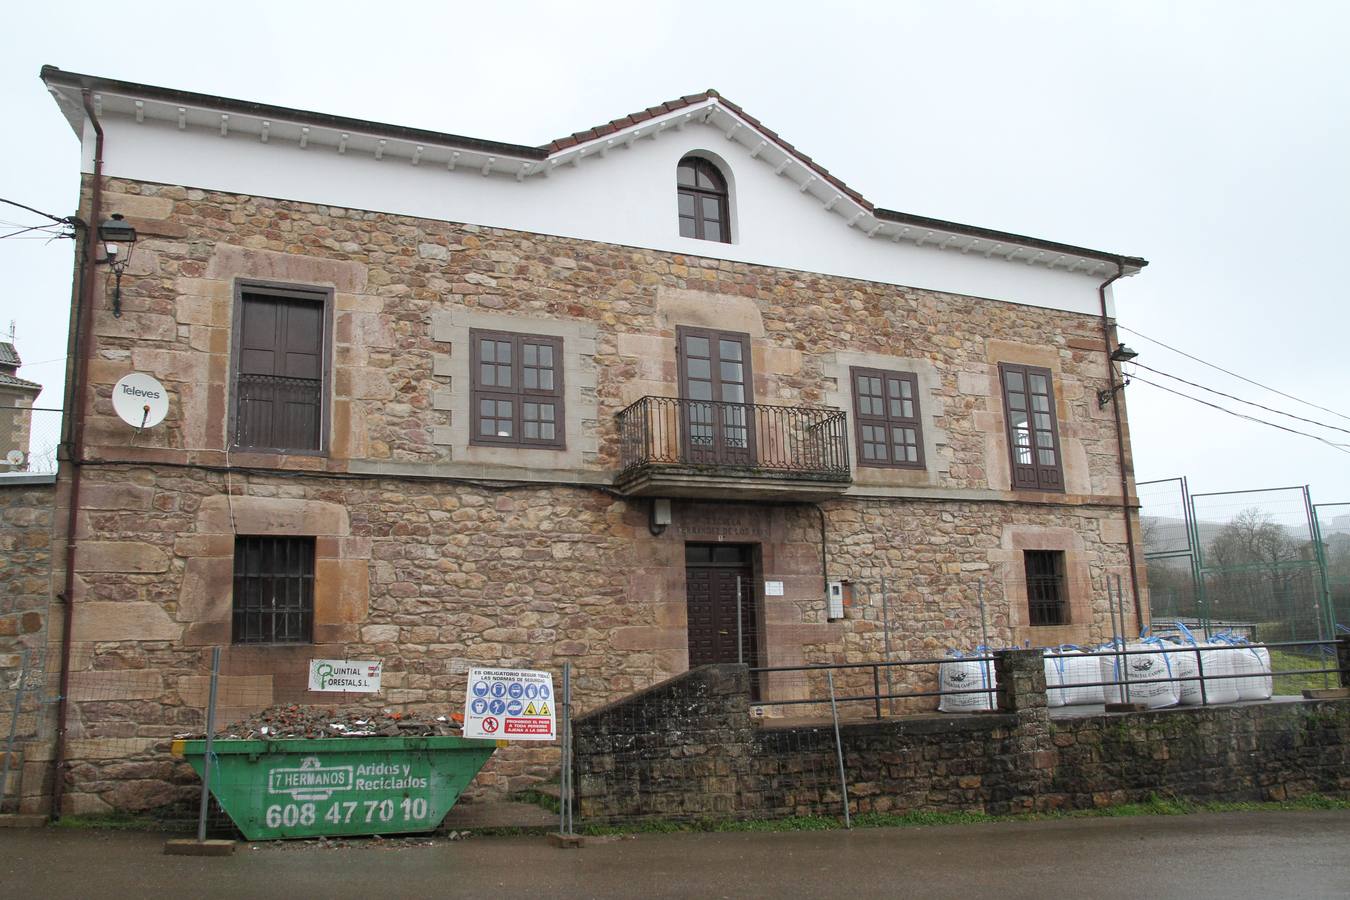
{"type": "Point", "coordinates": [627, 198]}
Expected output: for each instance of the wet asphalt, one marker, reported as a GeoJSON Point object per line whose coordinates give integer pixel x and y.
{"type": "Point", "coordinates": [1230, 855]}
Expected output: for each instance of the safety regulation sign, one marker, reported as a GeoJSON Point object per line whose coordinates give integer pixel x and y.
{"type": "Point", "coordinates": [510, 705]}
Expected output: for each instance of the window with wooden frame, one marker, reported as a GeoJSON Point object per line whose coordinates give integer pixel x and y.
{"type": "Point", "coordinates": [886, 418]}
{"type": "Point", "coordinates": [273, 590]}
{"type": "Point", "coordinates": [1033, 435]}
{"type": "Point", "coordinates": [517, 396]}
{"type": "Point", "coordinates": [1047, 594]}
{"type": "Point", "coordinates": [281, 366]}
{"type": "Point", "coordinates": [705, 212]}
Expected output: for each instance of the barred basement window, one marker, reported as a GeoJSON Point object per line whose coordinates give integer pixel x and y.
{"type": "Point", "coordinates": [1047, 598]}
{"type": "Point", "coordinates": [517, 396]}
{"type": "Point", "coordinates": [886, 410]}
{"type": "Point", "coordinates": [273, 590]}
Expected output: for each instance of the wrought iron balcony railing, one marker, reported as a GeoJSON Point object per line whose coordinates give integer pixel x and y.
{"type": "Point", "coordinates": [712, 435]}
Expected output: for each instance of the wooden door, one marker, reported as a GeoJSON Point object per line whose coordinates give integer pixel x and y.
{"type": "Point", "coordinates": [711, 575]}
{"type": "Point", "coordinates": [717, 387]}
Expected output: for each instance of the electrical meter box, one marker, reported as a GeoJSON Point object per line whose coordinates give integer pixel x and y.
{"type": "Point", "coordinates": [834, 598]}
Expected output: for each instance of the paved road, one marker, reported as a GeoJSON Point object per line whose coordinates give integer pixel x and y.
{"type": "Point", "coordinates": [1265, 855]}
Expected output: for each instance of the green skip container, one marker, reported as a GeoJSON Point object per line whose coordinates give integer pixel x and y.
{"type": "Point", "coordinates": [297, 788]}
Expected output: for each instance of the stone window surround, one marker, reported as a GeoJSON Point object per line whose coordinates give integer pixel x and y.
{"type": "Point", "coordinates": [838, 365]}
{"type": "Point", "coordinates": [450, 329]}
{"type": "Point", "coordinates": [1077, 583]}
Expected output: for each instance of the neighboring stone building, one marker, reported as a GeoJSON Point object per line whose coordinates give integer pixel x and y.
{"type": "Point", "coordinates": [16, 409]}
{"type": "Point", "coordinates": [448, 401]}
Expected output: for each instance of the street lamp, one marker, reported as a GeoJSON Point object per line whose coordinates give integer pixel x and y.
{"type": "Point", "coordinates": [116, 234]}
{"type": "Point", "coordinates": [1121, 354]}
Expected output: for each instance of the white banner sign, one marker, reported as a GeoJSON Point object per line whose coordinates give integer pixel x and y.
{"type": "Point", "coordinates": [510, 705]}
{"type": "Point", "coordinates": [353, 676]}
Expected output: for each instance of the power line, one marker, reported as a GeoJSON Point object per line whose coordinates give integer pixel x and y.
{"type": "Point", "coordinates": [42, 228]}
{"type": "Point", "coordinates": [1333, 444]}
{"type": "Point", "coordinates": [1278, 412]}
{"type": "Point", "coordinates": [58, 220]}
{"type": "Point", "coordinates": [1234, 374]}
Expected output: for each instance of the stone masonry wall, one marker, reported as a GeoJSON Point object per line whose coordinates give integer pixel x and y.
{"type": "Point", "coordinates": [434, 556]}
{"type": "Point", "coordinates": [686, 750]}
{"type": "Point", "coordinates": [434, 577]}
{"type": "Point", "coordinates": [26, 512]}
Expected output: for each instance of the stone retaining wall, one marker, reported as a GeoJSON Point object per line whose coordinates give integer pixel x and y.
{"type": "Point", "coordinates": [688, 750]}
{"type": "Point", "coordinates": [26, 512]}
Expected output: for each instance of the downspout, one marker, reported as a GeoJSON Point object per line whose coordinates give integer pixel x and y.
{"type": "Point", "coordinates": [75, 447]}
{"type": "Point", "coordinates": [1120, 447]}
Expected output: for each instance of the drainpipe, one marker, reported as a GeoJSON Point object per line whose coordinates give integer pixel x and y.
{"type": "Point", "coordinates": [75, 395]}
{"type": "Point", "coordinates": [1120, 447]}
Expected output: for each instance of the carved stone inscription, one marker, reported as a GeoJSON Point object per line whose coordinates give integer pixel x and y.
{"type": "Point", "coordinates": [722, 522]}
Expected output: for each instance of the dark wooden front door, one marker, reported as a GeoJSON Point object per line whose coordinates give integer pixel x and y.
{"type": "Point", "coordinates": [717, 386]}
{"type": "Point", "coordinates": [711, 573]}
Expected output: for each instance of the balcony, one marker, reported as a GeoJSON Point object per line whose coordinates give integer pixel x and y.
{"type": "Point", "coordinates": [701, 448]}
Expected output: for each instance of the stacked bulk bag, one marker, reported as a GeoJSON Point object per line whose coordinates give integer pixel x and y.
{"type": "Point", "coordinates": [1212, 661]}
{"type": "Point", "coordinates": [963, 673]}
{"type": "Point", "coordinates": [1071, 677]}
{"type": "Point", "coordinates": [1251, 662]}
{"type": "Point", "coordinates": [1132, 670]}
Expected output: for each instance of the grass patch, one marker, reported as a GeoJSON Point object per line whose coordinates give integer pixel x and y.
{"type": "Point", "coordinates": [1295, 684]}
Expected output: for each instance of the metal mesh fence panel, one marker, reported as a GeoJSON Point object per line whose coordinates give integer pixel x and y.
{"type": "Point", "coordinates": [1168, 540]}
{"type": "Point", "coordinates": [1333, 531]}
{"type": "Point", "coordinates": [1259, 567]}
{"type": "Point", "coordinates": [29, 439]}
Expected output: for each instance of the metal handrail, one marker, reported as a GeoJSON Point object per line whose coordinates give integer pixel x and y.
{"type": "Point", "coordinates": [719, 433]}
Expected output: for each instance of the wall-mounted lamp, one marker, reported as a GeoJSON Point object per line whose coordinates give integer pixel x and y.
{"type": "Point", "coordinates": [117, 236]}
{"type": "Point", "coordinates": [1121, 354]}
{"type": "Point", "coordinates": [660, 516]}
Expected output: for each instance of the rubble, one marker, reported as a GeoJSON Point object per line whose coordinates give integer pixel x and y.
{"type": "Point", "coordinates": [316, 722]}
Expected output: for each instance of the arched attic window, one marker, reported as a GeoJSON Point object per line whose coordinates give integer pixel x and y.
{"type": "Point", "coordinates": [704, 211]}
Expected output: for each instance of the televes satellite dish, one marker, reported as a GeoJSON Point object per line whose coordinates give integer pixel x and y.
{"type": "Point", "coordinates": [140, 400]}
{"type": "Point", "coordinates": [14, 457]}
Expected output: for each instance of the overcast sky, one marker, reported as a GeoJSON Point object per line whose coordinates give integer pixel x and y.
{"type": "Point", "coordinates": [1210, 138]}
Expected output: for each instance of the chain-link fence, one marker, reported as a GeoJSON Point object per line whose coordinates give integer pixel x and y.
{"type": "Point", "coordinates": [29, 439]}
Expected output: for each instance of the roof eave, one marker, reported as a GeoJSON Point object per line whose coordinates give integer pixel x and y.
{"type": "Point", "coordinates": [51, 75]}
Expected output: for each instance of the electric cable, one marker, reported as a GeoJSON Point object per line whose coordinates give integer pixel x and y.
{"type": "Point", "coordinates": [1278, 412]}
{"type": "Point", "coordinates": [1344, 448]}
{"type": "Point", "coordinates": [1234, 374]}
{"type": "Point", "coordinates": [42, 228]}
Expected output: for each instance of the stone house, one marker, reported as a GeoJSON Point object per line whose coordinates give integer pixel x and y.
{"type": "Point", "coordinates": [16, 409]}
{"type": "Point", "coordinates": [633, 399]}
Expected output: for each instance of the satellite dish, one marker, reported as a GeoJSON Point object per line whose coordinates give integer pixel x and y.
{"type": "Point", "coordinates": [14, 457]}
{"type": "Point", "coordinates": [140, 400]}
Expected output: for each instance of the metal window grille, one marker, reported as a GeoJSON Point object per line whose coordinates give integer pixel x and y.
{"type": "Point", "coordinates": [273, 590]}
{"type": "Point", "coordinates": [1046, 600]}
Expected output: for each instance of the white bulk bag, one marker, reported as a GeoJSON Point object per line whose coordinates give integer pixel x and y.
{"type": "Point", "coordinates": [1137, 668]}
{"type": "Point", "coordinates": [1071, 671]}
{"type": "Point", "coordinates": [1054, 678]}
{"type": "Point", "coordinates": [1189, 659]}
{"type": "Point", "coordinates": [1253, 662]}
{"type": "Point", "coordinates": [960, 673]}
